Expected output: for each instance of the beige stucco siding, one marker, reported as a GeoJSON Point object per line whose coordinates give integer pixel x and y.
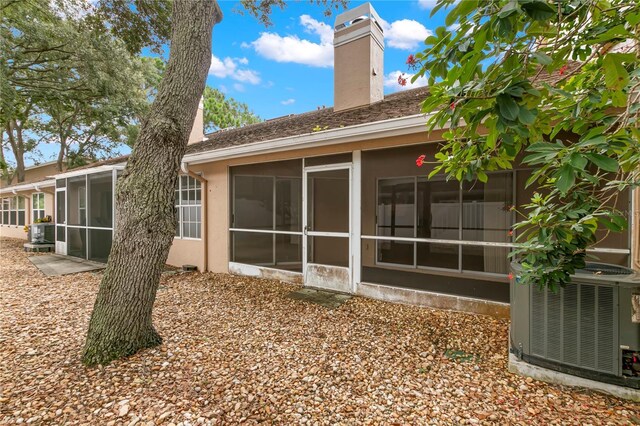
{"type": "Point", "coordinates": [187, 252]}
{"type": "Point", "coordinates": [15, 231]}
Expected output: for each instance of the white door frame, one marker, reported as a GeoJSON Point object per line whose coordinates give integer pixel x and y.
{"type": "Point", "coordinates": [305, 224]}
{"type": "Point", "coordinates": [60, 246]}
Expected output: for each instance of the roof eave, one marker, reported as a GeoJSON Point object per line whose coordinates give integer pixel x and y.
{"type": "Point", "coordinates": [27, 186]}
{"type": "Point", "coordinates": [359, 132]}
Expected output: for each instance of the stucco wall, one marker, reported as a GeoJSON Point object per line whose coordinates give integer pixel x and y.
{"type": "Point", "coordinates": [36, 173]}
{"type": "Point", "coordinates": [187, 252]}
{"type": "Point", "coordinates": [15, 231]}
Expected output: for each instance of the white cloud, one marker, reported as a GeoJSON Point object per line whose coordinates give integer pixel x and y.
{"type": "Point", "coordinates": [430, 4]}
{"type": "Point", "coordinates": [239, 87]}
{"type": "Point", "coordinates": [228, 67]}
{"type": "Point", "coordinates": [245, 45]}
{"type": "Point", "coordinates": [453, 27]}
{"type": "Point", "coordinates": [224, 89]}
{"type": "Point", "coordinates": [288, 101]}
{"type": "Point", "coordinates": [391, 81]}
{"type": "Point", "coordinates": [427, 4]}
{"type": "Point", "coordinates": [292, 48]}
{"type": "Point", "coordinates": [316, 27]}
{"type": "Point", "coordinates": [405, 34]}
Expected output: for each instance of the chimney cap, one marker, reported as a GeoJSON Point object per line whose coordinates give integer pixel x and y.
{"type": "Point", "coordinates": [357, 14]}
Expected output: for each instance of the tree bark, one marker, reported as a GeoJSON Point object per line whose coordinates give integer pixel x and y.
{"type": "Point", "coordinates": [121, 322]}
{"type": "Point", "coordinates": [14, 133]}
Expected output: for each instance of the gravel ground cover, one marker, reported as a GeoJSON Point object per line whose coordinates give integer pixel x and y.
{"type": "Point", "coordinates": [238, 350]}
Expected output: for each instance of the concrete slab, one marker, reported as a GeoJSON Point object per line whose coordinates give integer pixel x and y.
{"type": "Point", "coordinates": [327, 299]}
{"type": "Point", "coordinates": [522, 368]}
{"type": "Point", "coordinates": [55, 264]}
{"type": "Point", "coordinates": [39, 247]}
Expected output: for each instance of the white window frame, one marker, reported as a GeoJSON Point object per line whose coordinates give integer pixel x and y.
{"type": "Point", "coordinates": [4, 207]}
{"type": "Point", "coordinates": [23, 210]}
{"type": "Point", "coordinates": [37, 213]}
{"type": "Point", "coordinates": [182, 205]}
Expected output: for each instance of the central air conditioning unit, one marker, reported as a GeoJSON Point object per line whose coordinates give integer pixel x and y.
{"type": "Point", "coordinates": [590, 328]}
{"type": "Point", "coordinates": [41, 233]}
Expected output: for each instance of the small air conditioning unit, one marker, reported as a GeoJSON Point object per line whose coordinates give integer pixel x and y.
{"type": "Point", "coordinates": [41, 233]}
{"type": "Point", "coordinates": [589, 328]}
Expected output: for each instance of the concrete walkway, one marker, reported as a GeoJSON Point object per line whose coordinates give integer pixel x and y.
{"type": "Point", "coordinates": [327, 299]}
{"type": "Point", "coordinates": [55, 264]}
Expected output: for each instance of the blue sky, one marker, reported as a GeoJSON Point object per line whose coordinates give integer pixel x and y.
{"type": "Point", "coordinates": [287, 68]}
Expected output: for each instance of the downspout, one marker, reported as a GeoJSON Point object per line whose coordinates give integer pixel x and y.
{"type": "Point", "coordinates": [184, 167]}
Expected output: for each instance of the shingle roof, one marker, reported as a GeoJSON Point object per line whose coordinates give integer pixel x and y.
{"type": "Point", "coordinates": [400, 104]}
{"type": "Point", "coordinates": [396, 105]}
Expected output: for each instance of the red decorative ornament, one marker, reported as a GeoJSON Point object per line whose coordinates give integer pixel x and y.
{"type": "Point", "coordinates": [452, 106]}
{"type": "Point", "coordinates": [510, 275]}
{"type": "Point", "coordinates": [401, 80]}
{"type": "Point", "coordinates": [510, 233]}
{"type": "Point", "coordinates": [420, 160]}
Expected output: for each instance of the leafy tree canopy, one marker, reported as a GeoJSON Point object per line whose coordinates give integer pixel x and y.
{"type": "Point", "coordinates": [221, 112]}
{"type": "Point", "coordinates": [553, 85]}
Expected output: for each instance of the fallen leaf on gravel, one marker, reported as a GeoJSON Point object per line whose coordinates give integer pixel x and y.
{"type": "Point", "coordinates": [237, 349]}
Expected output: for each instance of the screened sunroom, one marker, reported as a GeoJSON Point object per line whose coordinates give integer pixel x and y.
{"type": "Point", "coordinates": [85, 212]}
{"type": "Point", "coordinates": [374, 217]}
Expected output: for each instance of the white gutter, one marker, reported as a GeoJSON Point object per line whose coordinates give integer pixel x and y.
{"type": "Point", "coordinates": [89, 171]}
{"type": "Point", "coordinates": [27, 186]}
{"type": "Point", "coordinates": [378, 129]}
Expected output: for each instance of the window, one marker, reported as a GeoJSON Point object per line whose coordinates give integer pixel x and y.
{"type": "Point", "coordinates": [188, 209]}
{"type": "Point", "coordinates": [4, 211]}
{"type": "Point", "coordinates": [37, 206]}
{"type": "Point", "coordinates": [416, 207]}
{"type": "Point", "coordinates": [21, 210]}
{"type": "Point", "coordinates": [266, 215]}
{"type": "Point", "coordinates": [13, 211]}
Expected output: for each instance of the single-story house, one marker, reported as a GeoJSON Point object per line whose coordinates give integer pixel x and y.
{"type": "Point", "coordinates": [331, 198]}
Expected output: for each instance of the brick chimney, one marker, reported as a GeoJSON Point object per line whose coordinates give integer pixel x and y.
{"type": "Point", "coordinates": [358, 44]}
{"type": "Point", "coordinates": [197, 131]}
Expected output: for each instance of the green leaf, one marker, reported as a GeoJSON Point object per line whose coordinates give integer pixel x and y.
{"type": "Point", "coordinates": [616, 76]}
{"type": "Point", "coordinates": [508, 107]}
{"type": "Point", "coordinates": [542, 58]}
{"type": "Point", "coordinates": [508, 9]}
{"type": "Point", "coordinates": [578, 161]}
{"type": "Point", "coordinates": [603, 162]}
{"type": "Point", "coordinates": [526, 116]}
{"type": "Point", "coordinates": [538, 10]}
{"type": "Point", "coordinates": [566, 178]}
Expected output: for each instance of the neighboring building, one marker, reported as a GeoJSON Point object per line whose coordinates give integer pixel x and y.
{"type": "Point", "coordinates": [331, 198]}
{"type": "Point", "coordinates": [23, 203]}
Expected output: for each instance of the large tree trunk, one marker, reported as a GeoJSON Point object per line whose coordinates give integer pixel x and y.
{"type": "Point", "coordinates": [121, 321]}
{"type": "Point", "coordinates": [14, 133]}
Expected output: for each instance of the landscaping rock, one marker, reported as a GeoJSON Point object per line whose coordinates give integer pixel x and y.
{"type": "Point", "coordinates": [239, 350]}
